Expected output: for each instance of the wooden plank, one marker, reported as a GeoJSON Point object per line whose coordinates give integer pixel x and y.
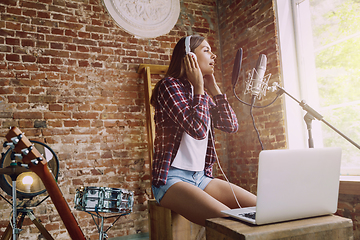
{"type": "Point", "coordinates": [150, 125]}
{"type": "Point", "coordinates": [155, 69]}
{"type": "Point", "coordinates": [325, 227]}
{"type": "Point", "coordinates": [160, 221]}
{"type": "Point", "coordinates": [166, 224]}
{"type": "Point", "coordinates": [349, 185]}
{"type": "Point", "coordinates": [146, 70]}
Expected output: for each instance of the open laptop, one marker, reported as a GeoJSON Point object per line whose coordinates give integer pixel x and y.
{"type": "Point", "coordinates": [294, 184]}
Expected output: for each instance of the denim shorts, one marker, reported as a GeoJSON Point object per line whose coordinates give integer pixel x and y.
{"type": "Point", "coordinates": [175, 175]}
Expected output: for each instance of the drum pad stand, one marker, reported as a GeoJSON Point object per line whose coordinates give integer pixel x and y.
{"type": "Point", "coordinates": [14, 227]}
{"type": "Point", "coordinates": [100, 222]}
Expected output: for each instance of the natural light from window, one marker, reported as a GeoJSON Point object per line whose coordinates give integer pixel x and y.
{"type": "Point", "coordinates": [336, 40]}
{"type": "Point", "coordinates": [320, 58]}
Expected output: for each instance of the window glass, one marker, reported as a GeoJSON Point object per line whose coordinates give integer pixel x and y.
{"type": "Point", "coordinates": [335, 28]}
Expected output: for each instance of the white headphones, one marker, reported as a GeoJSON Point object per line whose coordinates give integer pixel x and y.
{"type": "Point", "coordinates": [187, 47]}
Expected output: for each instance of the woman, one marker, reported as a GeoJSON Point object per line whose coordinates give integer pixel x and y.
{"type": "Point", "coordinates": [184, 144]}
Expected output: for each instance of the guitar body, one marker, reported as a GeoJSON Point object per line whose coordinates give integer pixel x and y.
{"type": "Point", "coordinates": [41, 169]}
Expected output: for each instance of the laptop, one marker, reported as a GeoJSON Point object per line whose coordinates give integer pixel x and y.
{"type": "Point", "coordinates": [294, 184]}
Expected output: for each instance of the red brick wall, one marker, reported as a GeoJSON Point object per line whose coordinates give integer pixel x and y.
{"type": "Point", "coordinates": [250, 25]}
{"type": "Point", "coordinates": [68, 77]}
{"type": "Point", "coordinates": [348, 207]}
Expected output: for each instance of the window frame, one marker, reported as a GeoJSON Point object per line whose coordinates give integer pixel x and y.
{"type": "Point", "coordinates": [297, 63]}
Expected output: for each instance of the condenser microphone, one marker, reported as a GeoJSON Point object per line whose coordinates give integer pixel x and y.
{"type": "Point", "coordinates": [258, 75]}
{"type": "Point", "coordinates": [257, 83]}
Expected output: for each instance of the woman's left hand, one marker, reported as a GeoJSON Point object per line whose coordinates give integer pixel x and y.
{"type": "Point", "coordinates": [211, 85]}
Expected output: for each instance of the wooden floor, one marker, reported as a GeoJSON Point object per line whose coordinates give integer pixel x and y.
{"type": "Point", "coordinates": [141, 236]}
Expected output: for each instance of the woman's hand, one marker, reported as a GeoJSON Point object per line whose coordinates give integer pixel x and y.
{"type": "Point", "coordinates": [211, 85]}
{"type": "Point", "coordinates": [194, 74]}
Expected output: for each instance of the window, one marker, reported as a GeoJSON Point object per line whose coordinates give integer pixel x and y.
{"type": "Point", "coordinates": [320, 56]}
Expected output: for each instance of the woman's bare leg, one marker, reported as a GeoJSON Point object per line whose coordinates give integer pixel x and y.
{"type": "Point", "coordinates": [221, 191]}
{"type": "Point", "coordinates": [192, 203]}
{"type": "Point", "coordinates": [197, 205]}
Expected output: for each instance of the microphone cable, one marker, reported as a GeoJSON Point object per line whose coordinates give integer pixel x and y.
{"type": "Point", "coordinates": [253, 120]}
{"type": "Point", "coordinates": [222, 171]}
{"type": "Point", "coordinates": [252, 105]}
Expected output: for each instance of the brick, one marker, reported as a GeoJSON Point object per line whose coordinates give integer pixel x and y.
{"type": "Point", "coordinates": [57, 16]}
{"type": "Point", "coordinates": [85, 42]}
{"type": "Point", "coordinates": [9, 2]}
{"type": "Point", "coordinates": [14, 10]}
{"type": "Point", "coordinates": [70, 123]}
{"type": "Point", "coordinates": [6, 90]}
{"type": "Point", "coordinates": [34, 5]}
{"type": "Point", "coordinates": [83, 63]}
{"type": "Point", "coordinates": [28, 58]}
{"type": "Point", "coordinates": [45, 15]}
{"type": "Point", "coordinates": [12, 41]}
{"type": "Point", "coordinates": [57, 46]}
{"type": "Point", "coordinates": [27, 43]}
{"type": "Point", "coordinates": [12, 18]}
{"type": "Point", "coordinates": [52, 68]}
{"type": "Point", "coordinates": [27, 115]}
{"type": "Point", "coordinates": [56, 61]}
{"type": "Point", "coordinates": [83, 49]}
{"type": "Point", "coordinates": [40, 124]}
{"type": "Point", "coordinates": [56, 131]}
{"type": "Point", "coordinates": [29, 12]}
{"type": "Point", "coordinates": [13, 57]}
{"type": "Point", "coordinates": [57, 9]}
{"type": "Point", "coordinates": [71, 33]}
{"type": "Point", "coordinates": [3, 65]}
{"type": "Point", "coordinates": [88, 115]}
{"type": "Point", "coordinates": [24, 75]}
{"type": "Point", "coordinates": [13, 26]}
{"type": "Point", "coordinates": [64, 39]}
{"type": "Point", "coordinates": [84, 123]}
{"type": "Point", "coordinates": [26, 124]}
{"type": "Point", "coordinates": [4, 48]}
{"type": "Point", "coordinates": [6, 74]}
{"type": "Point", "coordinates": [78, 55]}
{"type": "Point", "coordinates": [42, 44]}
{"type": "Point", "coordinates": [72, 26]}
{"type": "Point", "coordinates": [43, 60]}
{"type": "Point", "coordinates": [57, 115]}
{"type": "Point", "coordinates": [71, 5]}
{"type": "Point", "coordinates": [97, 64]}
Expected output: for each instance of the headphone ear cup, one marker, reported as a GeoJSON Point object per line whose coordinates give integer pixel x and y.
{"type": "Point", "coordinates": [193, 55]}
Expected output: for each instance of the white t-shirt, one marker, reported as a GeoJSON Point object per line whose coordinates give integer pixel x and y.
{"type": "Point", "coordinates": [191, 153]}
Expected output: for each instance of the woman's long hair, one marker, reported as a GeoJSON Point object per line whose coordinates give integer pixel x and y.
{"type": "Point", "coordinates": [176, 68]}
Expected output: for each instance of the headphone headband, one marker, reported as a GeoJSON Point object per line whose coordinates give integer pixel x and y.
{"type": "Point", "coordinates": [187, 44]}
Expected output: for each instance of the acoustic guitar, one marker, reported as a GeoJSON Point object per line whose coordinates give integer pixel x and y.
{"type": "Point", "coordinates": [36, 163]}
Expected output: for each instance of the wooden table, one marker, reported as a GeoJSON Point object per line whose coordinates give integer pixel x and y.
{"type": "Point", "coordinates": [324, 227]}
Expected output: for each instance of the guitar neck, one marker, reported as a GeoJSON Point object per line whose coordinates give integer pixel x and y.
{"type": "Point", "coordinates": [42, 170]}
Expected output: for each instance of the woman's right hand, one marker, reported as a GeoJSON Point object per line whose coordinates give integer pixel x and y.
{"type": "Point", "coordinates": [194, 74]}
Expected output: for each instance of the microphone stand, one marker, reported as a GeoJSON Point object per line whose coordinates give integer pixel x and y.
{"type": "Point", "coordinates": [311, 115]}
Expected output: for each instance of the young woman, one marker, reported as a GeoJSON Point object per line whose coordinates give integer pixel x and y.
{"type": "Point", "coordinates": [185, 116]}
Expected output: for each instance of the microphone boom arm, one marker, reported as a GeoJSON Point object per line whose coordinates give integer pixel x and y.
{"type": "Point", "coordinates": [316, 115]}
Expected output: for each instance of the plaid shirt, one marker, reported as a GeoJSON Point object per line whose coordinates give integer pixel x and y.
{"type": "Point", "coordinates": [178, 111]}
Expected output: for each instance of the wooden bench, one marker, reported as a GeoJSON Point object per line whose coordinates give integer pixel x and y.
{"type": "Point", "coordinates": [329, 227]}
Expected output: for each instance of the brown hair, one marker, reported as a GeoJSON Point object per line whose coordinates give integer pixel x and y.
{"type": "Point", "coordinates": [176, 68]}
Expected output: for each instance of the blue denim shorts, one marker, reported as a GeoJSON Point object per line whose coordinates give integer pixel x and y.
{"type": "Point", "coordinates": [175, 175]}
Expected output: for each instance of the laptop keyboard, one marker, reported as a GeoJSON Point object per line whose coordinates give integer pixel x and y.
{"type": "Point", "coordinates": [249, 215]}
